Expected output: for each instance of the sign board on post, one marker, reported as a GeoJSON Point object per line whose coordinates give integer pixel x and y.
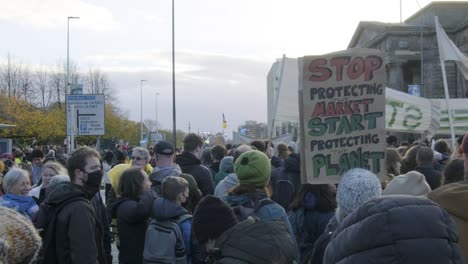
{"type": "Point", "coordinates": [85, 114]}
{"type": "Point", "coordinates": [342, 100]}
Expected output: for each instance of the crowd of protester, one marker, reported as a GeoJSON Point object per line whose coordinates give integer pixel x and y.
{"type": "Point", "coordinates": [231, 204]}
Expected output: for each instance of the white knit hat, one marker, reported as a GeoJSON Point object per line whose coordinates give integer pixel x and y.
{"type": "Point", "coordinates": [356, 187]}
{"type": "Point", "coordinates": [19, 240]}
{"type": "Point", "coordinates": [411, 183]}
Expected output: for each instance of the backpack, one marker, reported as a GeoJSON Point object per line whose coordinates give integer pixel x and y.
{"type": "Point", "coordinates": [254, 241]}
{"type": "Point", "coordinates": [284, 190]}
{"type": "Point", "coordinates": [164, 242]}
{"type": "Point", "coordinates": [48, 252]}
{"type": "Point", "coordinates": [250, 208]}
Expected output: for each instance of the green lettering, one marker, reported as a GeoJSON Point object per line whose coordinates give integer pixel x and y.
{"type": "Point", "coordinates": [317, 128]}
{"type": "Point", "coordinates": [395, 105]}
{"type": "Point", "coordinates": [412, 117]}
{"type": "Point", "coordinates": [372, 119]}
{"type": "Point", "coordinates": [318, 161]}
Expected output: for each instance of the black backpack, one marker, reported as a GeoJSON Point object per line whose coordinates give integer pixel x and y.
{"type": "Point", "coordinates": [254, 241]}
{"type": "Point", "coordinates": [250, 208]}
{"type": "Point", "coordinates": [48, 252]}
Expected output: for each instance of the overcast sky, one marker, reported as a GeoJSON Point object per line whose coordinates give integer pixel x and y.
{"type": "Point", "coordinates": [224, 48]}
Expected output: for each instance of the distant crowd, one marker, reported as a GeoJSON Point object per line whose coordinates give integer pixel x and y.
{"type": "Point", "coordinates": [231, 204]}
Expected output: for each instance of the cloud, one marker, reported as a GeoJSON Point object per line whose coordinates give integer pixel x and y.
{"type": "Point", "coordinates": [53, 14]}
{"type": "Point", "coordinates": [207, 85]}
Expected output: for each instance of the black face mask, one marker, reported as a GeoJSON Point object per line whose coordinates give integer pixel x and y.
{"type": "Point", "coordinates": [94, 182]}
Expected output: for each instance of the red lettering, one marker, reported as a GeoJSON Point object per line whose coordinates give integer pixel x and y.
{"type": "Point", "coordinates": [319, 109]}
{"type": "Point", "coordinates": [373, 63]}
{"type": "Point", "coordinates": [319, 74]}
{"type": "Point", "coordinates": [339, 63]}
{"type": "Point", "coordinates": [356, 68]}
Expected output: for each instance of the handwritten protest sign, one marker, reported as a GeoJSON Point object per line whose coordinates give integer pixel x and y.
{"type": "Point", "coordinates": [342, 102]}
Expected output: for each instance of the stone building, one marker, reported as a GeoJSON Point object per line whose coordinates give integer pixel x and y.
{"type": "Point", "coordinates": [411, 50]}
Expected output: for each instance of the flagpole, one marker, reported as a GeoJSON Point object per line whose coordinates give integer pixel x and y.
{"type": "Point", "coordinates": [444, 77]}
{"type": "Point", "coordinates": [447, 102]}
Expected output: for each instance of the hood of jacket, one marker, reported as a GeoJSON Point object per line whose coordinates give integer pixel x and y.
{"type": "Point", "coordinates": [164, 209]}
{"type": "Point", "coordinates": [187, 159]}
{"type": "Point", "coordinates": [452, 197]}
{"type": "Point", "coordinates": [160, 173]}
{"type": "Point", "coordinates": [64, 191]}
{"type": "Point", "coordinates": [231, 179]}
{"type": "Point", "coordinates": [293, 163]}
{"type": "Point", "coordinates": [114, 205]}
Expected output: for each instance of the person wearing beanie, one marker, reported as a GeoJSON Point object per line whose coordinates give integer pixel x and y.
{"type": "Point", "coordinates": [411, 183]}
{"type": "Point", "coordinates": [356, 187]}
{"type": "Point", "coordinates": [393, 229]}
{"type": "Point", "coordinates": [19, 240]}
{"type": "Point", "coordinates": [252, 196]}
{"type": "Point", "coordinates": [211, 218]}
{"type": "Point", "coordinates": [215, 226]}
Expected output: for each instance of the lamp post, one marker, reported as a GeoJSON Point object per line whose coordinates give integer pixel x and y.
{"type": "Point", "coordinates": [174, 138]}
{"type": "Point", "coordinates": [141, 109]}
{"type": "Point", "coordinates": [71, 144]}
{"type": "Point", "coordinates": [157, 113]}
{"type": "Point", "coordinates": [67, 88]}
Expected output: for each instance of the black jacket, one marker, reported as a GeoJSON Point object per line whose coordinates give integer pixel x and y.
{"type": "Point", "coordinates": [103, 218]}
{"type": "Point", "coordinates": [433, 176]}
{"type": "Point", "coordinates": [132, 221]}
{"type": "Point", "coordinates": [287, 181]}
{"type": "Point", "coordinates": [398, 230]}
{"type": "Point", "coordinates": [191, 165]}
{"type": "Point", "coordinates": [79, 236]}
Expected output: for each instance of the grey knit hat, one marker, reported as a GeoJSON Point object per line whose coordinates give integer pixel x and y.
{"type": "Point", "coordinates": [356, 187]}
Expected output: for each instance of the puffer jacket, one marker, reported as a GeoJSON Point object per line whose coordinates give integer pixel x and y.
{"type": "Point", "coordinates": [396, 229]}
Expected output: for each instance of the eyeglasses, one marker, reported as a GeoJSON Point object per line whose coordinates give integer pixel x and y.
{"type": "Point", "coordinates": [137, 158]}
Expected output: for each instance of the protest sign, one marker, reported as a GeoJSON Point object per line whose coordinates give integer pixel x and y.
{"type": "Point", "coordinates": [342, 110]}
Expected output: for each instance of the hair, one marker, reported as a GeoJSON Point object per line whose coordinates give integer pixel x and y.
{"type": "Point", "coordinates": [392, 140]}
{"type": "Point", "coordinates": [119, 155]}
{"type": "Point", "coordinates": [325, 199]}
{"type": "Point", "coordinates": [425, 155]}
{"type": "Point", "coordinates": [131, 183]}
{"type": "Point", "coordinates": [57, 167]}
{"type": "Point", "coordinates": [206, 157]}
{"type": "Point", "coordinates": [259, 145]}
{"type": "Point", "coordinates": [17, 153]}
{"type": "Point", "coordinates": [249, 188]}
{"type": "Point", "coordinates": [77, 160]}
{"type": "Point", "coordinates": [172, 186]}
{"type": "Point", "coordinates": [228, 146]}
{"type": "Point", "coordinates": [408, 162]}
{"type": "Point", "coordinates": [142, 151]}
{"type": "Point", "coordinates": [37, 153]}
{"type": "Point", "coordinates": [393, 157]}
{"type": "Point", "coordinates": [442, 146]}
{"type": "Point", "coordinates": [402, 150]}
{"type": "Point", "coordinates": [192, 141]}
{"type": "Point", "coordinates": [282, 150]}
{"type": "Point", "coordinates": [218, 152]}
{"type": "Point", "coordinates": [108, 157]}
{"type": "Point", "coordinates": [2, 167]}
{"type": "Point", "coordinates": [13, 176]}
{"type": "Point", "coordinates": [241, 149]}
{"type": "Point", "coordinates": [454, 171]}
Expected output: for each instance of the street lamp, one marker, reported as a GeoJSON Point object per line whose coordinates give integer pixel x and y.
{"type": "Point", "coordinates": [157, 112]}
{"type": "Point", "coordinates": [67, 88]}
{"type": "Point", "coordinates": [174, 138]}
{"type": "Point", "coordinates": [141, 109]}
{"type": "Point", "coordinates": [71, 145]}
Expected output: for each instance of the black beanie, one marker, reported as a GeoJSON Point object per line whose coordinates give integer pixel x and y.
{"type": "Point", "coordinates": [211, 218]}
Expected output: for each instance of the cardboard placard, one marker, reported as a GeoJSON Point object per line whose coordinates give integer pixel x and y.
{"type": "Point", "coordinates": [342, 113]}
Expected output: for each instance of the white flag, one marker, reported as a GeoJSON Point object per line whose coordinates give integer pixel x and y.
{"type": "Point", "coordinates": [449, 51]}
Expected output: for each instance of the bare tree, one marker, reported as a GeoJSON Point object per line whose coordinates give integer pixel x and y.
{"type": "Point", "coordinates": [97, 82]}
{"type": "Point", "coordinates": [43, 86]}
{"type": "Point", "coordinates": [9, 77]}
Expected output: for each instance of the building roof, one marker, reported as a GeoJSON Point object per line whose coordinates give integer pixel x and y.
{"type": "Point", "coordinates": [2, 126]}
